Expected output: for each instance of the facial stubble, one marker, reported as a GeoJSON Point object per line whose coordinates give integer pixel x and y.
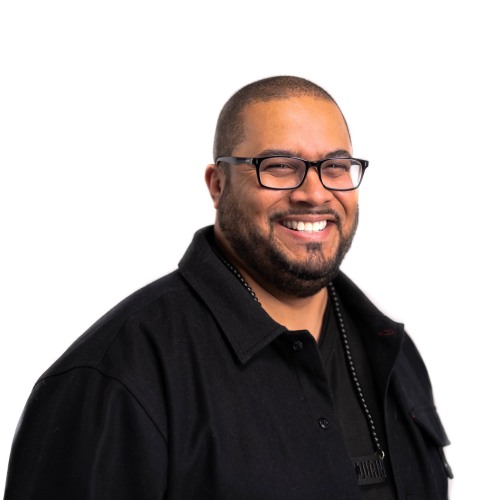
{"type": "Point", "coordinates": [263, 257]}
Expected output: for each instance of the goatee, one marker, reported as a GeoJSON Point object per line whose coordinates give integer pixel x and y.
{"type": "Point", "coordinates": [267, 263]}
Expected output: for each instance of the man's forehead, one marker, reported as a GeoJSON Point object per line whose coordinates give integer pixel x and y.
{"type": "Point", "coordinates": [301, 109]}
{"type": "Point", "coordinates": [293, 122]}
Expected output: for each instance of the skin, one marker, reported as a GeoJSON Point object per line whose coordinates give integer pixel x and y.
{"type": "Point", "coordinates": [249, 222]}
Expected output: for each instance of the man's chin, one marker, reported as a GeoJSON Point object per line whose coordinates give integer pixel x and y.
{"type": "Point", "coordinates": [313, 264]}
{"type": "Point", "coordinates": [302, 277]}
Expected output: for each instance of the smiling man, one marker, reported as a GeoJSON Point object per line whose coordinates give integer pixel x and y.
{"type": "Point", "coordinates": [257, 370]}
{"type": "Point", "coordinates": [287, 232]}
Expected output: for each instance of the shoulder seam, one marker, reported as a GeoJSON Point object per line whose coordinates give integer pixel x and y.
{"type": "Point", "coordinates": [115, 379]}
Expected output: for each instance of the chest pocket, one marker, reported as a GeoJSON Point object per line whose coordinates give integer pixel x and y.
{"type": "Point", "coordinates": [428, 420]}
{"type": "Point", "coordinates": [421, 435]}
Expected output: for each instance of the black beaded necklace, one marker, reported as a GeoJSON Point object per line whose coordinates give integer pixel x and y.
{"type": "Point", "coordinates": [369, 469]}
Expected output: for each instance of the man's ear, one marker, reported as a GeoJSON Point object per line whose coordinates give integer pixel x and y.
{"type": "Point", "coordinates": [215, 179]}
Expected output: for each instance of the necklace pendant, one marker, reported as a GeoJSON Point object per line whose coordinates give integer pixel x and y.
{"type": "Point", "coordinates": [369, 469]}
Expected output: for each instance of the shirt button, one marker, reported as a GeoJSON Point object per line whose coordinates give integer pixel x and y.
{"type": "Point", "coordinates": [324, 423]}
{"type": "Point", "coordinates": [297, 345]}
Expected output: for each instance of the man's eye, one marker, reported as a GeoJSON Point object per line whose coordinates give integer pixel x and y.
{"type": "Point", "coordinates": [278, 166]}
{"type": "Point", "coordinates": [337, 168]}
{"type": "Point", "coordinates": [278, 169]}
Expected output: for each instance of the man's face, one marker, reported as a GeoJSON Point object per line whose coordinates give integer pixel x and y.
{"type": "Point", "coordinates": [255, 226]}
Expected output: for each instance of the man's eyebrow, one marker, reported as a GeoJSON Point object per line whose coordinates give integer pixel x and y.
{"type": "Point", "coordinates": [339, 153]}
{"type": "Point", "coordinates": [277, 152]}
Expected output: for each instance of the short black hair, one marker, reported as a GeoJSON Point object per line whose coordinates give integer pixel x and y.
{"type": "Point", "coordinates": [229, 129]}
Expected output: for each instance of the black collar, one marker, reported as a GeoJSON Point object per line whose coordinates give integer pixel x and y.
{"type": "Point", "coordinates": [248, 328]}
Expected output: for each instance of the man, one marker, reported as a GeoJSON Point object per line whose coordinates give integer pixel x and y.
{"type": "Point", "coordinates": [257, 370]}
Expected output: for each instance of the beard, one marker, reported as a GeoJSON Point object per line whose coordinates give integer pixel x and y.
{"type": "Point", "coordinates": [263, 257]}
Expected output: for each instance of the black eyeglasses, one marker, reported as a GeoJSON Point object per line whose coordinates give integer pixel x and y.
{"type": "Point", "coordinates": [286, 172]}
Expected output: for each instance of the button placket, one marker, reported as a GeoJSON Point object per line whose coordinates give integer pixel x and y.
{"type": "Point", "coordinates": [305, 356]}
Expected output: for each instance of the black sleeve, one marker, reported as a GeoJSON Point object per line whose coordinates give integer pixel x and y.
{"type": "Point", "coordinates": [85, 436]}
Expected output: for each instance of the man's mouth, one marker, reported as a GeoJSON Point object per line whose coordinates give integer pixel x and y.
{"type": "Point", "coordinates": [306, 226]}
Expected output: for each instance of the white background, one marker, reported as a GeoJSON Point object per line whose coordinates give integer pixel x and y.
{"type": "Point", "coordinates": [107, 113]}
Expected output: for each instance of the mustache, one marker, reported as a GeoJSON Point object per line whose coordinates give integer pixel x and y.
{"type": "Point", "coordinates": [306, 211]}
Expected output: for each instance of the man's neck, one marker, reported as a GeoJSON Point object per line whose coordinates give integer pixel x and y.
{"type": "Point", "coordinates": [296, 313]}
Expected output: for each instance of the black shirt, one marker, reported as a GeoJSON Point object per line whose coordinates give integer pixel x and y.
{"type": "Point", "coordinates": [189, 390]}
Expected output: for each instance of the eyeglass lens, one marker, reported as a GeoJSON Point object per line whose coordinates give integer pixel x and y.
{"type": "Point", "coordinates": [336, 173]}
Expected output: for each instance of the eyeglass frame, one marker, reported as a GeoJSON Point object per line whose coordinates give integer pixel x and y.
{"type": "Point", "coordinates": [256, 162]}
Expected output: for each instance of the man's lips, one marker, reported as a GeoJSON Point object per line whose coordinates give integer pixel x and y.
{"type": "Point", "coordinates": [307, 222]}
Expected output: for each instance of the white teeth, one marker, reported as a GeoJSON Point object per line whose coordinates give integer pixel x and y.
{"type": "Point", "coordinates": [308, 227]}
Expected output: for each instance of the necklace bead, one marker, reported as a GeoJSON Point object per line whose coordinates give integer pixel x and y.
{"type": "Point", "coordinates": [240, 277]}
